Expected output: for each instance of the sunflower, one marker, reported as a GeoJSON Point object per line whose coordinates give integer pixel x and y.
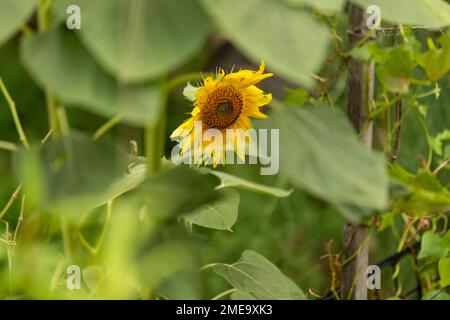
{"type": "Point", "coordinates": [223, 102]}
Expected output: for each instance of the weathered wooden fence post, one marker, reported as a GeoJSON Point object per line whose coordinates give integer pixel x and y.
{"type": "Point", "coordinates": [360, 89]}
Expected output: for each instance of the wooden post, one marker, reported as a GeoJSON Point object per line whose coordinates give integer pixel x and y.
{"type": "Point", "coordinates": [360, 84]}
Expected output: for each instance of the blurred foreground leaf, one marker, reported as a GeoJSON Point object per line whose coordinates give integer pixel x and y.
{"type": "Point", "coordinates": [141, 251]}
{"type": "Point", "coordinates": [177, 191]}
{"type": "Point", "coordinates": [13, 14]}
{"type": "Point", "coordinates": [328, 6]}
{"type": "Point", "coordinates": [71, 170]}
{"type": "Point", "coordinates": [57, 60]}
{"type": "Point", "coordinates": [256, 276]}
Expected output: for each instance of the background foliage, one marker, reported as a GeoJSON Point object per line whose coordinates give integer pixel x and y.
{"type": "Point", "coordinates": [95, 189]}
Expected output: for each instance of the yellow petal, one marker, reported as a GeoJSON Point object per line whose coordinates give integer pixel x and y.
{"type": "Point", "coordinates": [245, 78]}
{"type": "Point", "coordinates": [184, 129]}
{"type": "Point", "coordinates": [253, 111]}
{"type": "Point", "coordinates": [259, 100]}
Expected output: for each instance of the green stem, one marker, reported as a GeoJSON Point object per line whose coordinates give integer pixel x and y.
{"type": "Point", "coordinates": [208, 266]}
{"type": "Point", "coordinates": [107, 126]}
{"type": "Point", "coordinates": [43, 16]}
{"type": "Point", "coordinates": [12, 108]}
{"type": "Point", "coordinates": [63, 123]}
{"type": "Point", "coordinates": [182, 79]}
{"type": "Point", "coordinates": [151, 148]}
{"type": "Point", "coordinates": [424, 126]}
{"type": "Point", "coordinates": [52, 112]}
{"type": "Point", "coordinates": [6, 145]}
{"type": "Point", "coordinates": [44, 22]}
{"type": "Point", "coordinates": [20, 220]}
{"type": "Point", "coordinates": [67, 238]}
{"type": "Point", "coordinates": [155, 133]}
{"type": "Point", "coordinates": [11, 201]}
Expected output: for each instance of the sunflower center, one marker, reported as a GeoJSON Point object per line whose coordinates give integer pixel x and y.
{"type": "Point", "coordinates": [222, 107]}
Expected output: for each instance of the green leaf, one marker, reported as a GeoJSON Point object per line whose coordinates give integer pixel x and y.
{"type": "Point", "coordinates": [92, 276]}
{"type": "Point", "coordinates": [177, 191]}
{"type": "Point", "coordinates": [14, 14]}
{"type": "Point", "coordinates": [70, 171]}
{"type": "Point", "coordinates": [141, 40]}
{"type": "Point", "coordinates": [129, 181]}
{"type": "Point", "coordinates": [436, 295]}
{"type": "Point", "coordinates": [436, 62]}
{"type": "Point", "coordinates": [260, 28]}
{"type": "Point", "coordinates": [328, 6]}
{"type": "Point", "coordinates": [220, 214]}
{"type": "Point", "coordinates": [447, 152]}
{"type": "Point", "coordinates": [57, 61]}
{"type": "Point", "coordinates": [362, 54]}
{"type": "Point", "coordinates": [227, 180]}
{"type": "Point", "coordinates": [430, 13]}
{"type": "Point", "coordinates": [431, 246]}
{"type": "Point", "coordinates": [319, 152]}
{"type": "Point", "coordinates": [396, 73]}
{"type": "Point", "coordinates": [166, 260]}
{"type": "Point", "coordinates": [438, 141]}
{"type": "Point", "coordinates": [444, 271]}
{"type": "Point", "coordinates": [446, 240]}
{"type": "Point", "coordinates": [426, 194]}
{"type": "Point", "coordinates": [387, 220]}
{"type": "Point", "coordinates": [240, 295]}
{"type": "Point", "coordinates": [255, 275]}
{"type": "Point", "coordinates": [394, 298]}
{"type": "Point", "coordinates": [297, 97]}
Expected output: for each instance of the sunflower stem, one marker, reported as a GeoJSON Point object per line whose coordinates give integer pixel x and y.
{"type": "Point", "coordinates": [154, 141]}
{"type": "Point", "coordinates": [182, 79]}
{"type": "Point", "coordinates": [152, 150]}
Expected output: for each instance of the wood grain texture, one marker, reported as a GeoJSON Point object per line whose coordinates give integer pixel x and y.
{"type": "Point", "coordinates": [360, 88]}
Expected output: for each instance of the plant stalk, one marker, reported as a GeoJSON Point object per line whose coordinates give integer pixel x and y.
{"type": "Point", "coordinates": [360, 88]}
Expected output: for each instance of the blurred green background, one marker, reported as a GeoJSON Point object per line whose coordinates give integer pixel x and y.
{"type": "Point", "coordinates": [120, 63]}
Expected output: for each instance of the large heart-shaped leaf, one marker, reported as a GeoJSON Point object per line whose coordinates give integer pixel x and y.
{"type": "Point", "coordinates": [137, 40]}
{"type": "Point", "coordinates": [71, 170]}
{"type": "Point", "coordinates": [291, 42]}
{"type": "Point", "coordinates": [430, 13]}
{"type": "Point", "coordinates": [13, 14]}
{"type": "Point", "coordinates": [328, 6]}
{"type": "Point", "coordinates": [319, 152]}
{"type": "Point", "coordinates": [255, 275]}
{"type": "Point", "coordinates": [56, 60]}
{"type": "Point", "coordinates": [177, 191]}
